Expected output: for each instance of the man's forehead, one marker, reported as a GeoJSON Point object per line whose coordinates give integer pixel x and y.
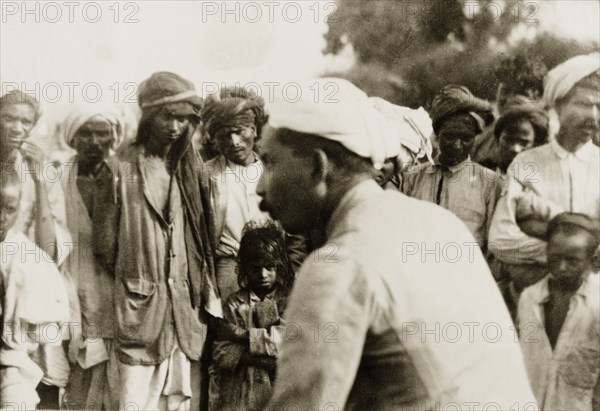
{"type": "Point", "coordinates": [96, 123]}
{"type": "Point", "coordinates": [21, 109]}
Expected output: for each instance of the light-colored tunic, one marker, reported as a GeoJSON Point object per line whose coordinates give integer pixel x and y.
{"type": "Point", "coordinates": [563, 378]}
{"type": "Point", "coordinates": [398, 310]}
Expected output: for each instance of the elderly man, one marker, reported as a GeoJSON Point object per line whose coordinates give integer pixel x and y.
{"type": "Point", "coordinates": [563, 175]}
{"type": "Point", "coordinates": [559, 318]}
{"type": "Point", "coordinates": [369, 304]}
{"type": "Point", "coordinates": [92, 130]}
{"type": "Point", "coordinates": [41, 216]}
{"type": "Point", "coordinates": [467, 189]}
{"type": "Point", "coordinates": [233, 119]}
{"type": "Point", "coordinates": [153, 232]}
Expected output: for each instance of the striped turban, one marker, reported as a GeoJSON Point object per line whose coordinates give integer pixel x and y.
{"type": "Point", "coordinates": [233, 107]}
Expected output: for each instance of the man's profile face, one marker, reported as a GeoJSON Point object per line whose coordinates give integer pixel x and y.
{"type": "Point", "coordinates": [16, 122]}
{"type": "Point", "coordinates": [93, 140]}
{"type": "Point", "coordinates": [579, 116]}
{"type": "Point", "coordinates": [514, 139]}
{"type": "Point", "coordinates": [167, 126]}
{"type": "Point", "coordinates": [456, 137]}
{"type": "Point", "coordinates": [236, 143]}
{"type": "Point", "coordinates": [568, 256]}
{"type": "Point", "coordinates": [286, 185]}
{"type": "Point", "coordinates": [10, 195]}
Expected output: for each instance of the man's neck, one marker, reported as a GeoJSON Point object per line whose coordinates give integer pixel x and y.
{"type": "Point", "coordinates": [158, 150]}
{"type": "Point", "coordinates": [570, 144]}
{"type": "Point", "coordinates": [335, 193]}
{"type": "Point", "coordinates": [90, 169]}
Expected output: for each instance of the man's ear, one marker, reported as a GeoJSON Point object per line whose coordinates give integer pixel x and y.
{"type": "Point", "coordinates": [320, 165]}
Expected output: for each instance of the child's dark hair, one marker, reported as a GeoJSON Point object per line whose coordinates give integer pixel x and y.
{"type": "Point", "coordinates": [266, 241]}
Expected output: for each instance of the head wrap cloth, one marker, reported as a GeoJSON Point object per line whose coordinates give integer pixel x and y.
{"type": "Point", "coordinates": [165, 88]}
{"type": "Point", "coordinates": [82, 113]}
{"type": "Point", "coordinates": [453, 100]}
{"type": "Point", "coordinates": [233, 107]}
{"type": "Point", "coordinates": [370, 128]}
{"type": "Point", "coordinates": [562, 78]}
{"type": "Point", "coordinates": [582, 221]}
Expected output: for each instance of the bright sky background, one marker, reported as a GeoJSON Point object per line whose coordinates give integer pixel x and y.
{"type": "Point", "coordinates": [196, 39]}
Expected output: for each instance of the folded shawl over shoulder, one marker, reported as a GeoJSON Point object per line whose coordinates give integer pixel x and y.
{"type": "Point", "coordinates": [164, 90]}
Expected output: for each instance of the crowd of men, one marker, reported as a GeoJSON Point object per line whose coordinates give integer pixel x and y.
{"type": "Point", "coordinates": [308, 254]}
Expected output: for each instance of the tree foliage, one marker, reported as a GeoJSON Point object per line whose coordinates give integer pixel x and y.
{"type": "Point", "coordinates": [406, 50]}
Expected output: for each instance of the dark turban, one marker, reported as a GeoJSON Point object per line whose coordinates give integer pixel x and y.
{"type": "Point", "coordinates": [454, 99]}
{"type": "Point", "coordinates": [18, 97]}
{"type": "Point", "coordinates": [233, 107]}
{"type": "Point", "coordinates": [167, 89]}
{"type": "Point", "coordinates": [537, 117]}
{"type": "Point", "coordinates": [576, 220]}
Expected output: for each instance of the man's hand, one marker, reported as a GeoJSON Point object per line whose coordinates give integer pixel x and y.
{"type": "Point", "coordinates": [534, 227]}
{"type": "Point", "coordinates": [34, 156]}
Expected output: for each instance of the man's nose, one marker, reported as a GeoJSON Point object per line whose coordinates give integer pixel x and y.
{"type": "Point", "coordinates": [563, 265]}
{"type": "Point", "coordinates": [596, 113]}
{"type": "Point", "coordinates": [173, 125]}
{"type": "Point", "coordinates": [236, 139]}
{"type": "Point", "coordinates": [17, 127]}
{"type": "Point", "coordinates": [457, 144]}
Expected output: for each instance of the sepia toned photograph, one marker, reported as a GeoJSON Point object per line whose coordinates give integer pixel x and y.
{"type": "Point", "coordinates": [310, 205]}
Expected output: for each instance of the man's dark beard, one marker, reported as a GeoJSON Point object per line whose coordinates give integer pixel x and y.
{"type": "Point", "coordinates": [566, 284]}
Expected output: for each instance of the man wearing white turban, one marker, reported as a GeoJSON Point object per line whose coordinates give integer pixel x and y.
{"type": "Point", "coordinates": [563, 175]}
{"type": "Point", "coordinates": [369, 304]}
{"type": "Point", "coordinates": [92, 130]}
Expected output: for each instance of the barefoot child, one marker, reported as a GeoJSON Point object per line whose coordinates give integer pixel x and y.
{"type": "Point", "coordinates": [246, 358]}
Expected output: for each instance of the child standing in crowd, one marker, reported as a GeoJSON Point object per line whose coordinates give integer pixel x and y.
{"type": "Point", "coordinates": [33, 300]}
{"type": "Point", "coordinates": [245, 351]}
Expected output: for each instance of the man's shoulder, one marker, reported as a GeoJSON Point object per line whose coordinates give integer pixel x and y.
{"type": "Point", "coordinates": [535, 153]}
{"type": "Point", "coordinates": [215, 166]}
{"type": "Point", "coordinates": [425, 168]}
{"type": "Point", "coordinates": [535, 291]}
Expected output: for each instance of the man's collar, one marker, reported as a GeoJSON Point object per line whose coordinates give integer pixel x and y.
{"type": "Point", "coordinates": [583, 153]}
{"type": "Point", "coordinates": [253, 297]}
{"type": "Point", "coordinates": [233, 165]}
{"type": "Point", "coordinates": [453, 169]}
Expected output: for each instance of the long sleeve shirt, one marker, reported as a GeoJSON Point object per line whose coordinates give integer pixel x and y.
{"type": "Point", "coordinates": [468, 190]}
{"type": "Point", "coordinates": [567, 181]}
{"type": "Point", "coordinates": [563, 378]}
{"type": "Point", "coordinates": [371, 312]}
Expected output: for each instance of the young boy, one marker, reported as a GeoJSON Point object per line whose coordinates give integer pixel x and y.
{"type": "Point", "coordinates": [559, 318]}
{"type": "Point", "coordinates": [246, 358]}
{"type": "Point", "coordinates": [34, 301]}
